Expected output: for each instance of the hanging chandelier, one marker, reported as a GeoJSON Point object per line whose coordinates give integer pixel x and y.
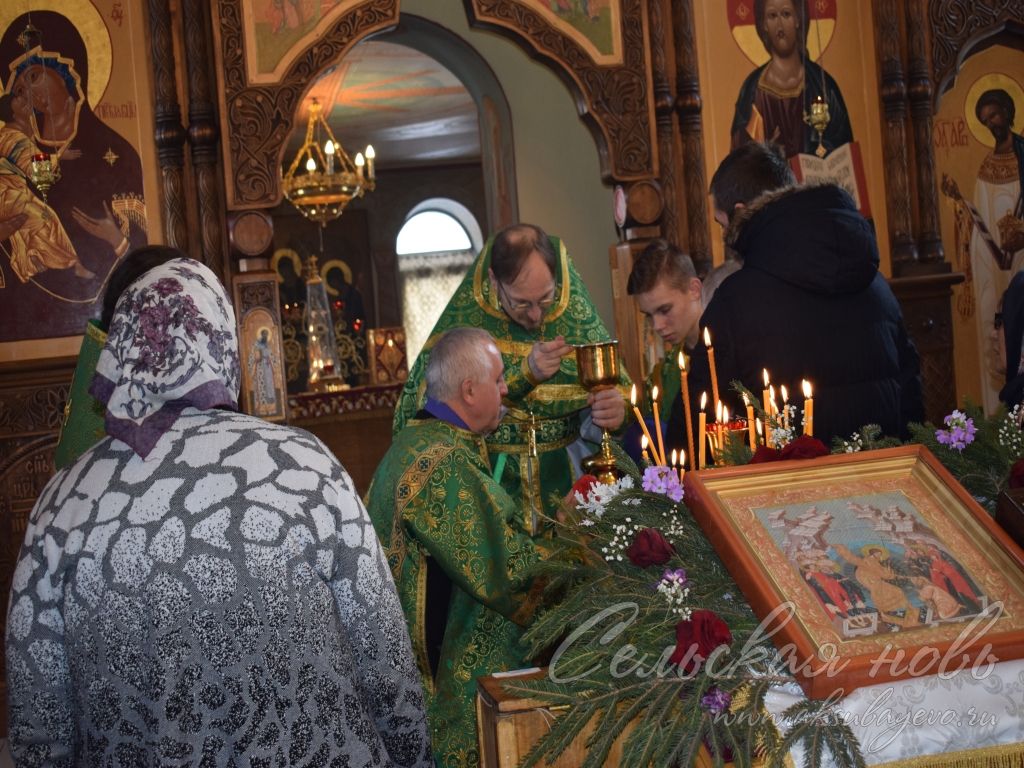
{"type": "Point", "coordinates": [323, 179]}
{"type": "Point", "coordinates": [320, 182]}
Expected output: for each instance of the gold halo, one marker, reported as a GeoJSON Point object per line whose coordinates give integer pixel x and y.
{"type": "Point", "coordinates": [982, 84]}
{"type": "Point", "coordinates": [285, 253]}
{"type": "Point", "coordinates": [869, 548]}
{"type": "Point", "coordinates": [746, 38]}
{"type": "Point", "coordinates": [346, 272]}
{"type": "Point", "coordinates": [87, 20]}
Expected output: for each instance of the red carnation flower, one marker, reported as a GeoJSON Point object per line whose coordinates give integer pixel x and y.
{"type": "Point", "coordinates": [582, 486]}
{"type": "Point", "coordinates": [804, 447]}
{"type": "Point", "coordinates": [764, 453]}
{"type": "Point", "coordinates": [698, 637]}
{"type": "Point", "coordinates": [649, 548]}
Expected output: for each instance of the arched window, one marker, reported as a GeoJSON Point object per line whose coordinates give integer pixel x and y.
{"type": "Point", "coordinates": [436, 244]}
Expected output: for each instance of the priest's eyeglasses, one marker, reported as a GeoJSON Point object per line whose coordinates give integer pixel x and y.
{"type": "Point", "coordinates": [524, 306]}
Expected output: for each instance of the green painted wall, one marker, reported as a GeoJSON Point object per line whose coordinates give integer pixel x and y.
{"type": "Point", "coordinates": [557, 171]}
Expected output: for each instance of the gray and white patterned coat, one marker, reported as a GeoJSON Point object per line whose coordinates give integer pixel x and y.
{"type": "Point", "coordinates": [224, 602]}
{"type": "Point", "coordinates": [202, 587]}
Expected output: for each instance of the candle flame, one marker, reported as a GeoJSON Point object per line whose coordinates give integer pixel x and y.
{"type": "Point", "coordinates": [675, 457]}
{"type": "Point", "coordinates": [785, 394]}
{"type": "Point", "coordinates": [765, 372]}
{"type": "Point", "coordinates": [643, 442]}
{"type": "Point", "coordinates": [703, 400]}
{"type": "Point", "coordinates": [725, 414]}
{"type": "Point", "coordinates": [746, 400]}
{"type": "Point", "coordinates": [806, 387]}
{"type": "Point", "coordinates": [757, 423]}
{"type": "Point", "coordinates": [771, 392]}
{"type": "Point", "coordinates": [682, 457]}
{"type": "Point", "coordinates": [654, 393]}
{"type": "Point", "coordinates": [707, 338]}
{"type": "Point", "coordinates": [718, 411]}
{"type": "Point", "coordinates": [632, 395]}
{"type": "Point", "coordinates": [682, 361]}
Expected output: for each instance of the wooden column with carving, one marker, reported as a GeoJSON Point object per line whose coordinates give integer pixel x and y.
{"type": "Point", "coordinates": [202, 135]}
{"type": "Point", "coordinates": [922, 280]}
{"type": "Point", "coordinates": [921, 91]}
{"type": "Point", "coordinates": [894, 103]}
{"type": "Point", "coordinates": [170, 134]}
{"type": "Point", "coordinates": [673, 223]}
{"type": "Point", "coordinates": [688, 107]}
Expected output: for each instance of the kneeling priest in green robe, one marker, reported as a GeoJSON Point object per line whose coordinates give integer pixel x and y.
{"type": "Point", "coordinates": [445, 524]}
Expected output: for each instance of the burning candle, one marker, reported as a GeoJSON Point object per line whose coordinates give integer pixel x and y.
{"type": "Point", "coordinates": [751, 435]}
{"type": "Point", "coordinates": [682, 462]}
{"type": "Point", "coordinates": [718, 423]}
{"type": "Point", "coordinates": [702, 431]}
{"type": "Point", "coordinates": [723, 430]}
{"type": "Point", "coordinates": [640, 418]}
{"type": "Point", "coordinates": [711, 365]}
{"type": "Point", "coordinates": [684, 393]}
{"type": "Point", "coordinates": [764, 393]}
{"type": "Point", "coordinates": [808, 409]}
{"type": "Point", "coordinates": [657, 426]}
{"type": "Point", "coordinates": [675, 459]}
{"type": "Point", "coordinates": [785, 406]}
{"type": "Point", "coordinates": [644, 453]}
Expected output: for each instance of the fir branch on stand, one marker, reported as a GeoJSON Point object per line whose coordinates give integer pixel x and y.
{"type": "Point", "coordinates": [652, 636]}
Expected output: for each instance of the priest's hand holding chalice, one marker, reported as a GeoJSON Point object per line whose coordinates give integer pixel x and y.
{"type": "Point", "coordinates": [597, 366]}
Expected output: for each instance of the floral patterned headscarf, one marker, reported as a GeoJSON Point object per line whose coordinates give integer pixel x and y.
{"type": "Point", "coordinates": [171, 345]}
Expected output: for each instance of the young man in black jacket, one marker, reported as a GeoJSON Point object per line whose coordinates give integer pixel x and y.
{"type": "Point", "coordinates": [809, 303]}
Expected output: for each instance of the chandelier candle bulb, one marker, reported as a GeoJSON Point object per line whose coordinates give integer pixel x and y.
{"type": "Point", "coordinates": [371, 170]}
{"type": "Point", "coordinates": [702, 431]}
{"type": "Point", "coordinates": [360, 162]}
{"type": "Point", "coordinates": [640, 418]}
{"type": "Point", "coordinates": [751, 434]}
{"type": "Point", "coordinates": [808, 409]}
{"type": "Point", "coordinates": [684, 393]}
{"type": "Point", "coordinates": [311, 165]}
{"type": "Point", "coordinates": [657, 426]}
{"type": "Point", "coordinates": [711, 365]}
{"type": "Point", "coordinates": [329, 152]}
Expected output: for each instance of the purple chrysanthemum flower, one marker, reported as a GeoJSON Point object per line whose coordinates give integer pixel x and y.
{"type": "Point", "coordinates": [960, 432]}
{"type": "Point", "coordinates": [663, 480]}
{"type": "Point", "coordinates": [716, 701]}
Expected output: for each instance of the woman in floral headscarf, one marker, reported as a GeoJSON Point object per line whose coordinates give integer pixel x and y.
{"type": "Point", "coordinates": [203, 585]}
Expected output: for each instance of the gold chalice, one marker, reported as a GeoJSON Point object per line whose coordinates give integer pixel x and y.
{"type": "Point", "coordinates": [597, 366]}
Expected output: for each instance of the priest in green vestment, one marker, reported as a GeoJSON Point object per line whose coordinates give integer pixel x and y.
{"type": "Point", "coordinates": [445, 525]}
{"type": "Point", "coordinates": [524, 290]}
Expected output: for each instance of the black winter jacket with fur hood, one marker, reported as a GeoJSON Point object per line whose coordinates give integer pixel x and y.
{"type": "Point", "coordinates": [810, 303]}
